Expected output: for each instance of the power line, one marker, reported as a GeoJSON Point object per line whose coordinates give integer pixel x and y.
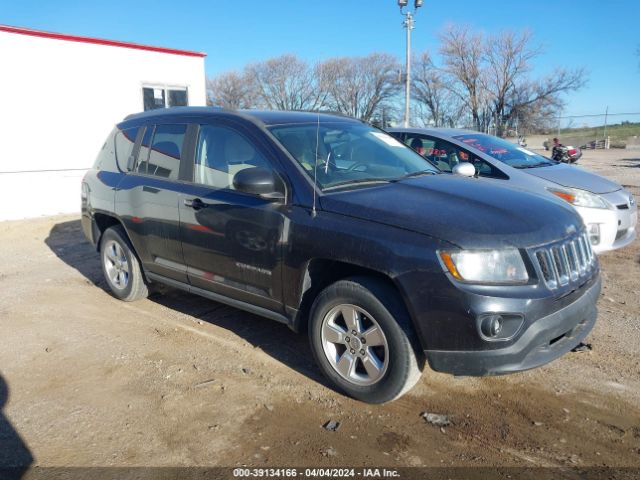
{"type": "Point", "coordinates": [597, 115]}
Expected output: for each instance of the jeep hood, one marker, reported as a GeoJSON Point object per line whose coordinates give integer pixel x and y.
{"type": "Point", "coordinates": [574, 177]}
{"type": "Point", "coordinates": [468, 212]}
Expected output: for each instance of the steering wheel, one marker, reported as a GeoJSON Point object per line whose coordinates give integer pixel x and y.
{"type": "Point", "coordinates": [327, 164]}
{"type": "Point", "coordinates": [356, 165]}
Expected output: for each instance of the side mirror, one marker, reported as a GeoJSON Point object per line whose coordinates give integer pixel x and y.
{"type": "Point", "coordinates": [465, 169]}
{"type": "Point", "coordinates": [258, 181]}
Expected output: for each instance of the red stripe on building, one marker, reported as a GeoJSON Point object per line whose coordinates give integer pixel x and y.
{"type": "Point", "coordinates": [97, 41]}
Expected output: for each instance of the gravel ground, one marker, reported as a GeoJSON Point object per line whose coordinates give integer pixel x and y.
{"type": "Point", "coordinates": [177, 380]}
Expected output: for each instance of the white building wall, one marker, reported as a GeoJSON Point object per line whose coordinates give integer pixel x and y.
{"type": "Point", "coordinates": [59, 99]}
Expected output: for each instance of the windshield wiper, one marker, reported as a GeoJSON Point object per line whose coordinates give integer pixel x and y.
{"type": "Point", "coordinates": [354, 182]}
{"type": "Point", "coordinates": [419, 173]}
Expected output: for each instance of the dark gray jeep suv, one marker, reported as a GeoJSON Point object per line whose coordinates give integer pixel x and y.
{"type": "Point", "coordinates": [329, 225]}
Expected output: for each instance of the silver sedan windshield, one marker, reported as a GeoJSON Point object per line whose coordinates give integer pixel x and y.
{"type": "Point", "coordinates": [504, 151]}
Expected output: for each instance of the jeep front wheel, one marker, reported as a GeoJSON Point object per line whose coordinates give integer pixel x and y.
{"type": "Point", "coordinates": [362, 340]}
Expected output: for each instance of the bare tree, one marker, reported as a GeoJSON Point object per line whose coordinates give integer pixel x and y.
{"type": "Point", "coordinates": [463, 54]}
{"type": "Point", "coordinates": [513, 95]}
{"type": "Point", "coordinates": [286, 83]}
{"type": "Point", "coordinates": [483, 81]}
{"type": "Point", "coordinates": [231, 90]}
{"type": "Point", "coordinates": [507, 57]}
{"type": "Point", "coordinates": [491, 76]}
{"type": "Point", "coordinates": [361, 86]}
{"type": "Point", "coordinates": [433, 98]}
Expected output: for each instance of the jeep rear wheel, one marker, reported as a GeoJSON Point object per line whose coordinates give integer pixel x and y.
{"type": "Point", "coordinates": [362, 340]}
{"type": "Point", "coordinates": [120, 266]}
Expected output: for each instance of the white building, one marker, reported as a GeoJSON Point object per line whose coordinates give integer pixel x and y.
{"type": "Point", "coordinates": [60, 95]}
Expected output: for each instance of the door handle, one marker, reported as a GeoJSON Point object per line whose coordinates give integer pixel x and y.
{"type": "Point", "coordinates": [194, 203]}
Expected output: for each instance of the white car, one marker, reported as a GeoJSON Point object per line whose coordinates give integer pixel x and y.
{"type": "Point", "coordinates": [608, 210]}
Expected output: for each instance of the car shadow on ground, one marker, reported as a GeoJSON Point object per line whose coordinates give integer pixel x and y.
{"type": "Point", "coordinates": [67, 241]}
{"type": "Point", "coordinates": [15, 456]}
{"type": "Point", "coordinates": [633, 163]}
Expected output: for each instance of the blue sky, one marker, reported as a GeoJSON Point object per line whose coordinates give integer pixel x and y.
{"type": "Point", "coordinates": [602, 36]}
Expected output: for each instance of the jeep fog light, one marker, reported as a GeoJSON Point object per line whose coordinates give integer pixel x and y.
{"type": "Point", "coordinates": [492, 325]}
{"type": "Point", "coordinates": [499, 326]}
{"type": "Point", "coordinates": [594, 233]}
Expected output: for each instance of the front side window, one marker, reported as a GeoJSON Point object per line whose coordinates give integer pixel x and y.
{"type": "Point", "coordinates": [445, 155]}
{"type": "Point", "coordinates": [504, 151]}
{"type": "Point", "coordinates": [341, 154]}
{"type": "Point", "coordinates": [221, 153]}
{"type": "Point", "coordinates": [420, 143]}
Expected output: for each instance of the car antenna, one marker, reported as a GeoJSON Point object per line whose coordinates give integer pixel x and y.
{"type": "Point", "coordinates": [315, 166]}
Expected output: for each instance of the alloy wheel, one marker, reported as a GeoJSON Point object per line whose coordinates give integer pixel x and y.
{"type": "Point", "coordinates": [116, 265]}
{"type": "Point", "coordinates": [354, 344]}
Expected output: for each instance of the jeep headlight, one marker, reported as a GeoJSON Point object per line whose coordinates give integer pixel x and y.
{"type": "Point", "coordinates": [485, 266]}
{"type": "Point", "coordinates": [580, 198]}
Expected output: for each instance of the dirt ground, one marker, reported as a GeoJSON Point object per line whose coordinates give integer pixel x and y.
{"type": "Point", "coordinates": [177, 380]}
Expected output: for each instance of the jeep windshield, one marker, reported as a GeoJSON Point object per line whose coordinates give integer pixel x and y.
{"type": "Point", "coordinates": [344, 154]}
{"type": "Point", "coordinates": [504, 151]}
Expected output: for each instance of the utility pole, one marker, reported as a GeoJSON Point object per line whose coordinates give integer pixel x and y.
{"type": "Point", "coordinates": [408, 24]}
{"type": "Point", "coordinates": [606, 114]}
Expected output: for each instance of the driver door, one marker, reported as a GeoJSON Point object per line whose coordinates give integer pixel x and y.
{"type": "Point", "coordinates": [231, 240]}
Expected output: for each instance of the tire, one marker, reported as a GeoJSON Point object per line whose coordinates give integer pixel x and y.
{"type": "Point", "coordinates": [120, 266]}
{"type": "Point", "coordinates": [375, 371]}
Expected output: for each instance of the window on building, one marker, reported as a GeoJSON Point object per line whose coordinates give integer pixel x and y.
{"type": "Point", "coordinates": [163, 97]}
{"type": "Point", "coordinates": [177, 98]}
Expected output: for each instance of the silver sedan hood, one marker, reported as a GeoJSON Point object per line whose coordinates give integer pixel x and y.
{"type": "Point", "coordinates": [574, 177]}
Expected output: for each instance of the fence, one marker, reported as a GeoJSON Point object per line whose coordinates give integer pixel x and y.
{"type": "Point", "coordinates": [606, 130]}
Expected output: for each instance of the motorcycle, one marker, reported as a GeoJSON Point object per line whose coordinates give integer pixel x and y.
{"type": "Point", "coordinates": [566, 154]}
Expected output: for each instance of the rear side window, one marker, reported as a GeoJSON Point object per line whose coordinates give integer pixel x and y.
{"type": "Point", "coordinates": [125, 140]}
{"type": "Point", "coordinates": [143, 154]}
{"type": "Point", "coordinates": [106, 156]}
{"type": "Point", "coordinates": [166, 150]}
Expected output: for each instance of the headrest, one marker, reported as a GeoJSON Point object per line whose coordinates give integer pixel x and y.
{"type": "Point", "coordinates": [238, 150]}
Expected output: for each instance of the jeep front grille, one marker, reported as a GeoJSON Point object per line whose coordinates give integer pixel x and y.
{"type": "Point", "coordinates": [566, 261]}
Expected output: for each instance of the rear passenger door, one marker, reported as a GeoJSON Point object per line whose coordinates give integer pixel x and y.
{"type": "Point", "coordinates": [231, 239]}
{"type": "Point", "coordinates": [147, 200]}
